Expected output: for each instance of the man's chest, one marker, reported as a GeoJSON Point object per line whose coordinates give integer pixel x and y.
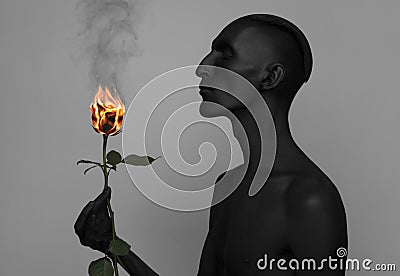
{"type": "Point", "coordinates": [253, 230]}
{"type": "Point", "coordinates": [255, 226]}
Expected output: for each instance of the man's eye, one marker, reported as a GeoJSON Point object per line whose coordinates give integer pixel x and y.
{"type": "Point", "coordinates": [227, 53]}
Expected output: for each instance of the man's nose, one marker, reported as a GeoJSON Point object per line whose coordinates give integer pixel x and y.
{"type": "Point", "coordinates": [204, 70]}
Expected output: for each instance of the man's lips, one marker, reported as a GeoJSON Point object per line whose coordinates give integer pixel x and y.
{"type": "Point", "coordinates": [205, 92]}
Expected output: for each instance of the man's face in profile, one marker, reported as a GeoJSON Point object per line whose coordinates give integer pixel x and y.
{"type": "Point", "coordinates": [241, 47]}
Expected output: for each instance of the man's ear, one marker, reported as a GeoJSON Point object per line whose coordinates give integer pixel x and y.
{"type": "Point", "coordinates": [272, 77]}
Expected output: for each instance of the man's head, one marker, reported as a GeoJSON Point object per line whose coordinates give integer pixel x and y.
{"type": "Point", "coordinates": [269, 51]}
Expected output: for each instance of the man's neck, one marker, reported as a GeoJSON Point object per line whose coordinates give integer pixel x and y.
{"type": "Point", "coordinates": [288, 156]}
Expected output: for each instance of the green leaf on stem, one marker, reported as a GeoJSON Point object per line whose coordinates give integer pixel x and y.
{"type": "Point", "coordinates": [87, 162]}
{"type": "Point", "coordinates": [101, 267]}
{"type": "Point", "coordinates": [137, 160]}
{"type": "Point", "coordinates": [113, 158]}
{"type": "Point", "coordinates": [88, 169]}
{"type": "Point", "coordinates": [119, 247]}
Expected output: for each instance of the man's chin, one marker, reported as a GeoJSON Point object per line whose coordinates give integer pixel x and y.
{"type": "Point", "coordinates": [210, 110]}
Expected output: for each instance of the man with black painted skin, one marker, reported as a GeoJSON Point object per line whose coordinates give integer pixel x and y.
{"type": "Point", "coordinates": [298, 213]}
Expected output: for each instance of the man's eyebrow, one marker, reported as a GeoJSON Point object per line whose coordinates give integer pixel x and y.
{"type": "Point", "coordinates": [213, 44]}
{"type": "Point", "coordinates": [221, 44]}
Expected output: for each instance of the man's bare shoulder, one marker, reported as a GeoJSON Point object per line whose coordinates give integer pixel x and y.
{"type": "Point", "coordinates": [315, 217]}
{"type": "Point", "coordinates": [312, 194]}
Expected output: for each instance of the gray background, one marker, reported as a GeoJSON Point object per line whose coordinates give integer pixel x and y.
{"type": "Point", "coordinates": [345, 118]}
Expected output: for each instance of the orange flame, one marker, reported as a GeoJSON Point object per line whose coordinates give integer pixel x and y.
{"type": "Point", "coordinates": [107, 112]}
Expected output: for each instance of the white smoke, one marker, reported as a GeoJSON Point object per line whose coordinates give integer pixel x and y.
{"type": "Point", "coordinates": [109, 37]}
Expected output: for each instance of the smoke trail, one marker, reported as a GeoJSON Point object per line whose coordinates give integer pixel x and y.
{"type": "Point", "coordinates": [109, 37]}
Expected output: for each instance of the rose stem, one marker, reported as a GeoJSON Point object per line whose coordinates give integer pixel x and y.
{"type": "Point", "coordinates": [110, 211]}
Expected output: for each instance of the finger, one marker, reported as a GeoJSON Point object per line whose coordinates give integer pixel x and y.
{"type": "Point", "coordinates": [80, 221]}
{"type": "Point", "coordinates": [89, 235]}
{"type": "Point", "coordinates": [93, 223]}
{"type": "Point", "coordinates": [106, 193]}
{"type": "Point", "coordinates": [101, 200]}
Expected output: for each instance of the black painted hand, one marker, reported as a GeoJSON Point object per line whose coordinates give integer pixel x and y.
{"type": "Point", "coordinates": [93, 225]}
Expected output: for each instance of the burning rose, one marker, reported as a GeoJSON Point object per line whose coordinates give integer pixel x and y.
{"type": "Point", "coordinates": [109, 34]}
{"type": "Point", "coordinates": [107, 112]}
{"type": "Point", "coordinates": [107, 117]}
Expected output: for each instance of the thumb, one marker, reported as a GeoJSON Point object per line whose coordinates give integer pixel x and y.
{"type": "Point", "coordinates": [107, 192]}
{"type": "Point", "coordinates": [101, 200]}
